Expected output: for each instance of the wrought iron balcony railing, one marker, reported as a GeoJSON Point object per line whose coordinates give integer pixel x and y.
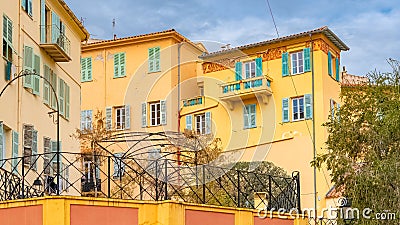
{"type": "Point", "coordinates": [56, 43]}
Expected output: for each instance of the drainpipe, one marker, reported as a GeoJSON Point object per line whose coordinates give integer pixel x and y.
{"type": "Point", "coordinates": [179, 97]}
{"type": "Point", "coordinates": [313, 123]}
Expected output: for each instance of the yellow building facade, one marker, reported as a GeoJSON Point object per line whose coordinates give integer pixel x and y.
{"type": "Point", "coordinates": [39, 37]}
{"type": "Point", "coordinates": [258, 99]}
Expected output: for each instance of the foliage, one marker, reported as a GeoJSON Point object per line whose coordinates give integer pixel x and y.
{"type": "Point", "coordinates": [363, 144]}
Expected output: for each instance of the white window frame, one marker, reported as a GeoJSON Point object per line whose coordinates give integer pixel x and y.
{"type": "Point", "coordinates": [297, 64]}
{"type": "Point", "coordinates": [120, 118]}
{"type": "Point", "coordinates": [296, 109]}
{"type": "Point", "coordinates": [86, 123]}
{"type": "Point", "coordinates": [251, 69]}
{"type": "Point", "coordinates": [200, 121]}
{"type": "Point", "coordinates": [155, 113]}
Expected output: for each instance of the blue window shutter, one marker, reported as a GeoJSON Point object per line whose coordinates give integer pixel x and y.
{"type": "Point", "coordinates": [127, 117]}
{"type": "Point", "coordinates": [36, 79]}
{"type": "Point", "coordinates": [89, 69]}
{"type": "Point", "coordinates": [46, 86]}
{"type": "Point", "coordinates": [83, 70]}
{"type": "Point", "coordinates": [252, 115]}
{"type": "Point", "coordinates": [337, 70]}
{"type": "Point", "coordinates": [42, 21]}
{"type": "Point", "coordinates": [116, 65]}
{"type": "Point", "coordinates": [189, 122]}
{"type": "Point", "coordinates": [285, 110]}
{"type": "Point", "coordinates": [122, 66]}
{"type": "Point", "coordinates": [30, 6]}
{"type": "Point", "coordinates": [55, 27]}
{"type": "Point", "coordinates": [307, 61]}
{"type": "Point", "coordinates": [329, 63]}
{"type": "Point", "coordinates": [61, 95]}
{"type": "Point", "coordinates": [208, 122]}
{"type": "Point", "coordinates": [151, 60]}
{"type": "Point", "coordinates": [23, 4]}
{"type": "Point", "coordinates": [285, 65]}
{"type": "Point", "coordinates": [67, 93]}
{"type": "Point", "coordinates": [308, 106]}
{"type": "Point", "coordinates": [259, 69]}
{"type": "Point", "coordinates": [238, 71]}
{"type": "Point", "coordinates": [246, 117]}
{"type": "Point", "coordinates": [157, 60]}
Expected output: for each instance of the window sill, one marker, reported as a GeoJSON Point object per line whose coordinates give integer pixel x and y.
{"type": "Point", "coordinates": [86, 81]}
{"type": "Point", "coordinates": [119, 77]}
{"type": "Point", "coordinates": [154, 72]}
{"type": "Point", "coordinates": [248, 128]}
{"type": "Point", "coordinates": [30, 16]}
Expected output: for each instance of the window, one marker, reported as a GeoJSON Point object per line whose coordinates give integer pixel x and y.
{"type": "Point", "coordinates": [14, 155]}
{"type": "Point", "coordinates": [7, 38]}
{"type": "Point", "coordinates": [120, 118]}
{"type": "Point", "coordinates": [249, 69]}
{"type": "Point", "coordinates": [32, 64]}
{"type": "Point", "coordinates": [298, 108]}
{"type": "Point", "coordinates": [249, 116]}
{"type": "Point", "coordinates": [155, 114]}
{"type": "Point", "coordinates": [297, 62]}
{"type": "Point", "coordinates": [63, 98]}
{"type": "Point", "coordinates": [86, 69]}
{"type": "Point", "coordinates": [119, 166]}
{"type": "Point", "coordinates": [86, 120]}
{"type": "Point", "coordinates": [201, 123]}
{"type": "Point", "coordinates": [27, 6]}
{"type": "Point", "coordinates": [201, 90]}
{"type": "Point", "coordinates": [300, 62]}
{"type": "Point", "coordinates": [154, 59]}
{"type": "Point", "coordinates": [47, 155]}
{"type": "Point", "coordinates": [30, 146]}
{"type": "Point", "coordinates": [119, 65]}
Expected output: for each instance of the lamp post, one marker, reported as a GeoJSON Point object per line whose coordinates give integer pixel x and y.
{"type": "Point", "coordinates": [25, 73]}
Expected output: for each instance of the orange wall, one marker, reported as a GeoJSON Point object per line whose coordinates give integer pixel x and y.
{"type": "Point", "coordinates": [103, 215]}
{"type": "Point", "coordinates": [25, 215]}
{"type": "Point", "coordinates": [193, 217]}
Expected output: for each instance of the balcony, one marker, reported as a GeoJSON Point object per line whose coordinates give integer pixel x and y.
{"type": "Point", "coordinates": [258, 87]}
{"type": "Point", "coordinates": [193, 101]}
{"type": "Point", "coordinates": [56, 44]}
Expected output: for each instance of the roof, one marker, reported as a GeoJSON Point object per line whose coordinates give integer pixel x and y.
{"type": "Point", "coordinates": [75, 19]}
{"type": "Point", "coordinates": [335, 192]}
{"type": "Point", "coordinates": [322, 30]}
{"type": "Point", "coordinates": [173, 32]}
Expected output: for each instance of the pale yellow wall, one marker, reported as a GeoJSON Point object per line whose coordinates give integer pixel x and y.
{"type": "Point", "coordinates": [18, 105]}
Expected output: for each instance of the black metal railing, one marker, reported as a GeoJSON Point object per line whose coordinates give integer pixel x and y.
{"type": "Point", "coordinates": [161, 179]}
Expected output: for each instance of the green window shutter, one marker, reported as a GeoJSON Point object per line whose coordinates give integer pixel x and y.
{"type": "Point", "coordinates": [337, 70]}
{"type": "Point", "coordinates": [8, 70]}
{"type": "Point", "coordinates": [43, 21]}
{"type": "Point", "coordinates": [46, 86]}
{"type": "Point", "coordinates": [89, 69]}
{"type": "Point", "coordinates": [163, 112]}
{"type": "Point", "coordinates": [238, 71]}
{"type": "Point", "coordinates": [285, 65]}
{"type": "Point", "coordinates": [83, 70]}
{"type": "Point", "coordinates": [7, 29]}
{"type": "Point", "coordinates": [5, 26]}
{"type": "Point", "coordinates": [15, 144]}
{"type": "Point", "coordinates": [308, 106]}
{"type": "Point", "coordinates": [157, 59]}
{"type": "Point", "coordinates": [307, 61]}
{"type": "Point", "coordinates": [1, 142]}
{"type": "Point", "coordinates": [208, 122]}
{"type": "Point", "coordinates": [28, 65]}
{"type": "Point", "coordinates": [67, 97]}
{"type": "Point", "coordinates": [122, 66]}
{"type": "Point", "coordinates": [54, 151]}
{"type": "Point", "coordinates": [109, 118]}
{"type": "Point", "coordinates": [127, 117]}
{"type": "Point", "coordinates": [329, 63]}
{"type": "Point", "coordinates": [285, 110]}
{"type": "Point", "coordinates": [53, 78]}
{"type": "Point", "coordinates": [34, 149]}
{"type": "Point", "coordinates": [144, 114]}
{"type": "Point", "coordinates": [259, 70]}
{"type": "Point", "coordinates": [55, 27]}
{"type": "Point", "coordinates": [189, 122]}
{"type": "Point", "coordinates": [252, 115]}
{"type": "Point", "coordinates": [36, 79]}
{"type": "Point", "coordinates": [61, 93]}
{"type": "Point", "coordinates": [116, 65]}
{"type": "Point", "coordinates": [151, 60]}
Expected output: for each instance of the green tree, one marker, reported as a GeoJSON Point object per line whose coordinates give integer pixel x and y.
{"type": "Point", "coordinates": [363, 153]}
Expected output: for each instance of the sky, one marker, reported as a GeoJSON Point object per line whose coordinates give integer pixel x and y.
{"type": "Point", "coordinates": [371, 28]}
